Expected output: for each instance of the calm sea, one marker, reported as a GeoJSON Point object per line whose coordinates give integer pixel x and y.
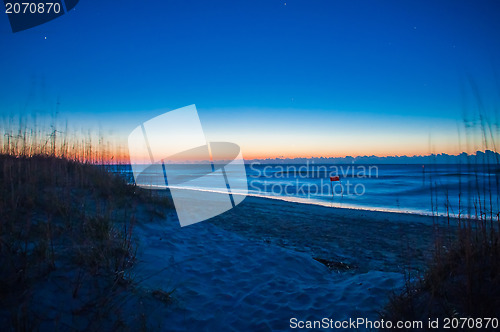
{"type": "Point", "coordinates": [424, 189]}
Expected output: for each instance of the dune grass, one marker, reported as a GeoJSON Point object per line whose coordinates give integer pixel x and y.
{"type": "Point", "coordinates": [463, 278]}
{"type": "Point", "coordinates": [462, 281]}
{"type": "Point", "coordinates": [68, 221]}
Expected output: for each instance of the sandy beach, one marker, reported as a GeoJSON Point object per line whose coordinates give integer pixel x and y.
{"type": "Point", "coordinates": [258, 265]}
{"type": "Point", "coordinates": [366, 239]}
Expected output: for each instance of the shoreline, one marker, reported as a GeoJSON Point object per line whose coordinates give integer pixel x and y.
{"type": "Point", "coordinates": [419, 216]}
{"type": "Point", "coordinates": [330, 205]}
{"type": "Point", "coordinates": [336, 205]}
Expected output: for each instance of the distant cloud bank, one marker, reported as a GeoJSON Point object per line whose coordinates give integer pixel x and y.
{"type": "Point", "coordinates": [486, 157]}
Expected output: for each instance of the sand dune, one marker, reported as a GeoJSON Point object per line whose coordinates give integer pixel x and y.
{"type": "Point", "coordinates": [252, 268]}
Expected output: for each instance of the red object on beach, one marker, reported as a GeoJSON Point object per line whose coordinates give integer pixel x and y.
{"type": "Point", "coordinates": [334, 178]}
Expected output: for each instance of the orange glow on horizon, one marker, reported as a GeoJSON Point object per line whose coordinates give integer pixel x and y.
{"type": "Point", "coordinates": [251, 156]}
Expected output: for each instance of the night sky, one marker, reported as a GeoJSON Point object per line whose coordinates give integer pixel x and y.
{"type": "Point", "coordinates": [294, 78]}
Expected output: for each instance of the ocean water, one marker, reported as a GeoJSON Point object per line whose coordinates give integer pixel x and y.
{"type": "Point", "coordinates": [457, 190]}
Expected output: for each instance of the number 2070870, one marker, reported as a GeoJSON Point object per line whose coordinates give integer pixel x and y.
{"type": "Point", "coordinates": [32, 8]}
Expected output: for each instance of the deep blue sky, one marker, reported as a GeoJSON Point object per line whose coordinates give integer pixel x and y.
{"type": "Point", "coordinates": [279, 79]}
